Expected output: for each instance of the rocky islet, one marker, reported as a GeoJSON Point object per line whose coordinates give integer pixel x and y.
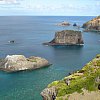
{"type": "Point", "coordinates": [67, 37]}
{"type": "Point", "coordinates": [64, 23]}
{"type": "Point", "coordinates": [14, 63]}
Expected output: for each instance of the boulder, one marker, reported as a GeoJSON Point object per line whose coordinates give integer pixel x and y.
{"type": "Point", "coordinates": [13, 63]}
{"type": "Point", "coordinates": [67, 37]}
{"type": "Point", "coordinates": [92, 25]}
{"type": "Point", "coordinates": [48, 93]}
{"type": "Point", "coordinates": [74, 24]}
{"type": "Point", "coordinates": [12, 41]}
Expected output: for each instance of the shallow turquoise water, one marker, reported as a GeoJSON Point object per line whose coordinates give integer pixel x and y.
{"type": "Point", "coordinates": [29, 33]}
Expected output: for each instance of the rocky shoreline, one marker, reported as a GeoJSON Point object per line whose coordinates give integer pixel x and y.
{"type": "Point", "coordinates": [92, 25]}
{"type": "Point", "coordinates": [83, 83]}
{"type": "Point", "coordinates": [14, 63]}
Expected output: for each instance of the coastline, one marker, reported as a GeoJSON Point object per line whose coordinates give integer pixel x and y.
{"type": "Point", "coordinates": [86, 79]}
{"type": "Point", "coordinates": [64, 60]}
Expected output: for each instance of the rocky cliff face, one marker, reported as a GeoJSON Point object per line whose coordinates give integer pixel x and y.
{"type": "Point", "coordinates": [93, 25]}
{"type": "Point", "coordinates": [67, 37]}
{"type": "Point", "coordinates": [15, 63]}
{"type": "Point", "coordinates": [83, 84]}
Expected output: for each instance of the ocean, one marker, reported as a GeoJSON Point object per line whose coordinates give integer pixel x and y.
{"type": "Point", "coordinates": [29, 33]}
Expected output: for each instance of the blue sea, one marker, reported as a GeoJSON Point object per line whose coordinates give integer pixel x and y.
{"type": "Point", "coordinates": [29, 32]}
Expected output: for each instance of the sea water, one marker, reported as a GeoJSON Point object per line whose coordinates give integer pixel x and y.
{"type": "Point", "coordinates": [29, 33]}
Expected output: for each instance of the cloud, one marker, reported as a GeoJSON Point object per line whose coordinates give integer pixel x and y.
{"type": "Point", "coordinates": [44, 7]}
{"type": "Point", "coordinates": [39, 7]}
{"type": "Point", "coordinates": [29, 5]}
{"type": "Point", "coordinates": [62, 7]}
{"type": "Point", "coordinates": [5, 2]}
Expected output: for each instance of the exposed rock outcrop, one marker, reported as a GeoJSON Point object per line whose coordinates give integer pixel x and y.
{"type": "Point", "coordinates": [63, 24]}
{"type": "Point", "coordinates": [15, 63]}
{"type": "Point", "coordinates": [74, 24]}
{"type": "Point", "coordinates": [84, 84]}
{"type": "Point", "coordinates": [67, 37]}
{"type": "Point", "coordinates": [92, 25]}
{"type": "Point", "coordinates": [12, 41]}
{"type": "Point", "coordinates": [48, 93]}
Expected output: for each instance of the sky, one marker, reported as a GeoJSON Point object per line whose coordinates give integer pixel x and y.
{"type": "Point", "coordinates": [50, 7]}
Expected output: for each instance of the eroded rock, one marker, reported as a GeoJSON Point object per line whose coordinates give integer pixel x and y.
{"type": "Point", "coordinates": [64, 23]}
{"type": "Point", "coordinates": [13, 63]}
{"type": "Point", "coordinates": [84, 84]}
{"type": "Point", "coordinates": [92, 25]}
{"type": "Point", "coordinates": [67, 37]}
{"type": "Point", "coordinates": [49, 93]}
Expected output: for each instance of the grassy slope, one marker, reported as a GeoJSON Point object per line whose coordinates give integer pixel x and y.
{"type": "Point", "coordinates": [82, 79]}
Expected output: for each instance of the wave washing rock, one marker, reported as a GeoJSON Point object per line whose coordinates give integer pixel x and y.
{"type": "Point", "coordinates": [83, 84]}
{"type": "Point", "coordinates": [67, 37]}
{"type": "Point", "coordinates": [15, 63]}
{"type": "Point", "coordinates": [92, 25]}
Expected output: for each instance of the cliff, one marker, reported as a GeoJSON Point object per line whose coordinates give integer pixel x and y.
{"type": "Point", "coordinates": [67, 37]}
{"type": "Point", "coordinates": [83, 84]}
{"type": "Point", "coordinates": [92, 25]}
{"type": "Point", "coordinates": [15, 63]}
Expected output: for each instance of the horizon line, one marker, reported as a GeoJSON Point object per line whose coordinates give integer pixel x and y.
{"type": "Point", "coordinates": [49, 15]}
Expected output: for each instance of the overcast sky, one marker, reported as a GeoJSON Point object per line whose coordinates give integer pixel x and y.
{"type": "Point", "coordinates": [50, 7]}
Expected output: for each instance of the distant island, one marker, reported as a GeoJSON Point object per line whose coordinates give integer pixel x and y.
{"type": "Point", "coordinates": [64, 23]}
{"type": "Point", "coordinates": [14, 63]}
{"type": "Point", "coordinates": [83, 84]}
{"type": "Point", "coordinates": [67, 37]}
{"type": "Point", "coordinates": [92, 25]}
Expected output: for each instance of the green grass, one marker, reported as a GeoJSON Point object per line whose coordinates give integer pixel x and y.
{"type": "Point", "coordinates": [77, 83]}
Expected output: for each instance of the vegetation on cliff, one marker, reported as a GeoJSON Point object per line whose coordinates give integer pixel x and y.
{"type": "Point", "coordinates": [88, 78]}
{"type": "Point", "coordinates": [92, 25]}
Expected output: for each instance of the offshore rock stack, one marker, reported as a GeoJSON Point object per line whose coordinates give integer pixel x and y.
{"type": "Point", "coordinates": [67, 37]}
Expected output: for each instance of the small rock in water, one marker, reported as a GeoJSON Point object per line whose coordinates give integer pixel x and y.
{"type": "Point", "coordinates": [12, 41]}
{"type": "Point", "coordinates": [74, 24]}
{"type": "Point", "coordinates": [64, 23]}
